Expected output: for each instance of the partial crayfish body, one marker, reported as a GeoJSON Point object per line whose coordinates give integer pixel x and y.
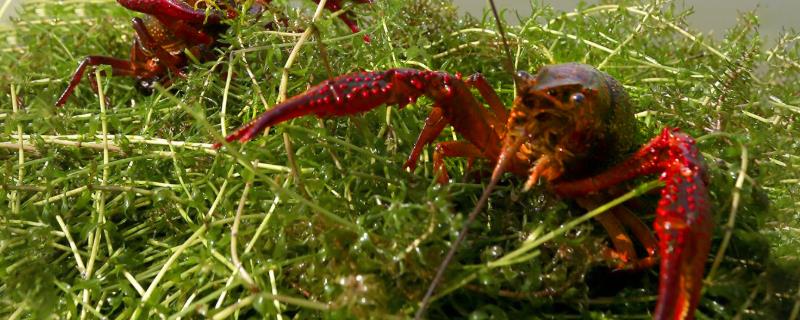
{"type": "Point", "coordinates": [169, 30]}
{"type": "Point", "coordinates": [571, 125]}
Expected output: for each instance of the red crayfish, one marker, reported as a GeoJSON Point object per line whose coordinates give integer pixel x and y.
{"type": "Point", "coordinates": [566, 120]}
{"type": "Point", "coordinates": [567, 124]}
{"type": "Point", "coordinates": [169, 30]}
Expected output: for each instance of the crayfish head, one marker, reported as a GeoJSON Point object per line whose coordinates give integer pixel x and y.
{"type": "Point", "coordinates": [561, 110]}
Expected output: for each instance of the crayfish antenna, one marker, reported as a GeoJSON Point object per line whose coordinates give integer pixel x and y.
{"type": "Point", "coordinates": [502, 163]}
{"type": "Point", "coordinates": [500, 168]}
{"type": "Point", "coordinates": [509, 63]}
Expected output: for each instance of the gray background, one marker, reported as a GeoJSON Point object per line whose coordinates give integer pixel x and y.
{"type": "Point", "coordinates": [7, 7]}
{"type": "Point", "coordinates": [713, 16]}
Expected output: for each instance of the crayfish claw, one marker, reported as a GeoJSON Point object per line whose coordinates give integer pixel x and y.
{"type": "Point", "coordinates": [683, 217]}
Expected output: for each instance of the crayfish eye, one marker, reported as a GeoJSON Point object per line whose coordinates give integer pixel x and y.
{"type": "Point", "coordinates": [577, 98]}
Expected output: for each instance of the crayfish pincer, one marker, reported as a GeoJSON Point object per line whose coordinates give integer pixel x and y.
{"type": "Point", "coordinates": [170, 29]}
{"type": "Point", "coordinates": [571, 125]}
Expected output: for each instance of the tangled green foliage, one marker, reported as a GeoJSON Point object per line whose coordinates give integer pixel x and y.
{"type": "Point", "coordinates": [141, 225]}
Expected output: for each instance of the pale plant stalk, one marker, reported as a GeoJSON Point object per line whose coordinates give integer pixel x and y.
{"type": "Point", "coordinates": [234, 240]}
{"type": "Point", "coordinates": [179, 171]}
{"type": "Point", "coordinates": [228, 311]}
{"type": "Point", "coordinates": [295, 51]}
{"type": "Point", "coordinates": [100, 201]}
{"type": "Point", "coordinates": [224, 293]}
{"type": "Point", "coordinates": [73, 140]}
{"type": "Point", "coordinates": [177, 252]}
{"type": "Point", "coordinates": [285, 83]}
{"type": "Point", "coordinates": [220, 194]}
{"type": "Point", "coordinates": [736, 195]}
{"type": "Point", "coordinates": [16, 195]}
{"type": "Point", "coordinates": [57, 197]}
{"type": "Point", "coordinates": [72, 245]}
{"type": "Point", "coordinates": [259, 231]}
{"type": "Point", "coordinates": [287, 142]}
{"type": "Point", "coordinates": [274, 288]}
{"type": "Point", "coordinates": [225, 91]}
{"type": "Point", "coordinates": [252, 76]}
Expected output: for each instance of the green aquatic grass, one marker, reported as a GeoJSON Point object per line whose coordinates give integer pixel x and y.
{"type": "Point", "coordinates": [116, 206]}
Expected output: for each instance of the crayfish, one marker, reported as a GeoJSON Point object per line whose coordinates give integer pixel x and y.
{"type": "Point", "coordinates": [169, 30]}
{"type": "Point", "coordinates": [565, 121]}
{"type": "Point", "coordinates": [567, 125]}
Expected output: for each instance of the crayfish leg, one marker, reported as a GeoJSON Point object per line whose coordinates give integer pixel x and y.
{"type": "Point", "coordinates": [436, 122]}
{"type": "Point", "coordinates": [452, 149]}
{"type": "Point", "coordinates": [616, 221]}
{"type": "Point", "coordinates": [336, 5]}
{"type": "Point", "coordinates": [119, 67]}
{"type": "Point", "coordinates": [434, 125]}
{"type": "Point", "coordinates": [478, 81]}
{"type": "Point", "coordinates": [639, 230]}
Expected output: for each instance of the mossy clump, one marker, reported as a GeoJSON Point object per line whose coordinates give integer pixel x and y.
{"type": "Point", "coordinates": [119, 207]}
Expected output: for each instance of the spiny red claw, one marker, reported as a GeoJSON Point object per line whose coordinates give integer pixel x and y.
{"type": "Point", "coordinates": [351, 94]}
{"type": "Point", "coordinates": [177, 10]}
{"type": "Point", "coordinates": [683, 218]}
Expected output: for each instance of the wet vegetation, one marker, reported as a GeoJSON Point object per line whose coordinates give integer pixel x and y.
{"type": "Point", "coordinates": [115, 206]}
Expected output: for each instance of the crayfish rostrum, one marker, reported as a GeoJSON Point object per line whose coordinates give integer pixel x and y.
{"type": "Point", "coordinates": [169, 33]}
{"type": "Point", "coordinates": [570, 124]}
